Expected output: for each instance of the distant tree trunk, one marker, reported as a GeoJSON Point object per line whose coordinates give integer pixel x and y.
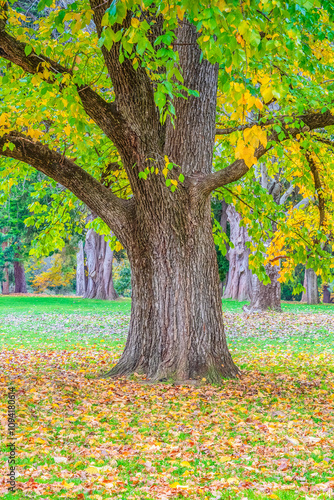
{"type": "Point", "coordinates": [99, 264]}
{"type": "Point", "coordinates": [5, 281]}
{"type": "Point", "coordinates": [304, 296]}
{"type": "Point", "coordinates": [239, 280]}
{"type": "Point", "coordinates": [312, 287]}
{"type": "Point", "coordinates": [81, 279]}
{"type": "Point", "coordinates": [19, 276]}
{"type": "Point", "coordinates": [326, 294]}
{"type": "Point", "coordinates": [266, 297]}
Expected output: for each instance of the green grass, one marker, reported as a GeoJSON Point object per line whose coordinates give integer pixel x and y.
{"type": "Point", "coordinates": [41, 305]}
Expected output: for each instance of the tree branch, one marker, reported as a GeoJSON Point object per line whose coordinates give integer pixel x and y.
{"type": "Point", "coordinates": [286, 195]}
{"type": "Point", "coordinates": [318, 188]}
{"type": "Point", "coordinates": [117, 213]}
{"type": "Point", "coordinates": [238, 168]}
{"type": "Point", "coordinates": [308, 119]}
{"type": "Point", "coordinates": [134, 95]}
{"type": "Point", "coordinates": [104, 114]}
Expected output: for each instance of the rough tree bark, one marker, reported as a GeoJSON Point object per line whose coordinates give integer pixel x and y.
{"type": "Point", "coordinates": [239, 281]}
{"type": "Point", "coordinates": [19, 276]}
{"type": "Point", "coordinates": [5, 282]}
{"type": "Point", "coordinates": [80, 274]}
{"type": "Point", "coordinates": [266, 297]}
{"type": "Point", "coordinates": [326, 294]}
{"type": "Point", "coordinates": [312, 287]}
{"type": "Point", "coordinates": [100, 283]}
{"type": "Point", "coordinates": [176, 328]}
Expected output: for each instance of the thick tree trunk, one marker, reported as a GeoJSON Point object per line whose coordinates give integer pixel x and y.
{"type": "Point", "coordinates": [99, 263]}
{"type": "Point", "coordinates": [80, 275]}
{"type": "Point", "coordinates": [176, 330]}
{"type": "Point", "coordinates": [326, 294]}
{"type": "Point", "coordinates": [312, 287]}
{"type": "Point", "coordinates": [20, 277]}
{"type": "Point", "coordinates": [239, 281]}
{"type": "Point", "coordinates": [266, 297]}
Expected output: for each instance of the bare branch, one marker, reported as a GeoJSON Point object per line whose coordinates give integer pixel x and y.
{"type": "Point", "coordinates": [117, 213]}
{"type": "Point", "coordinates": [304, 203]}
{"type": "Point", "coordinates": [286, 195]}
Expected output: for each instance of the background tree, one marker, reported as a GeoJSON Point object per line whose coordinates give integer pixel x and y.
{"type": "Point", "coordinates": [153, 97]}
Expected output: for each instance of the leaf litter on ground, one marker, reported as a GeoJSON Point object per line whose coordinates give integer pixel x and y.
{"type": "Point", "coordinates": [269, 434]}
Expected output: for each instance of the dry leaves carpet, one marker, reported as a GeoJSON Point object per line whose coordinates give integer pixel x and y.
{"type": "Point", "coordinates": [269, 434]}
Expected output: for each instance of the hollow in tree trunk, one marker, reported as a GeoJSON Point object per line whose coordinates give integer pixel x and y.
{"type": "Point", "coordinates": [266, 297]}
{"type": "Point", "coordinates": [239, 280]}
{"type": "Point", "coordinates": [100, 283]}
{"type": "Point", "coordinates": [19, 276]}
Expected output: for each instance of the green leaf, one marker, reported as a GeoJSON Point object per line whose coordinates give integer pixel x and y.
{"type": "Point", "coordinates": [27, 50]}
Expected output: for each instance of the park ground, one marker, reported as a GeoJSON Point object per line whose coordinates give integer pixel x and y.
{"type": "Point", "coordinates": [269, 434]}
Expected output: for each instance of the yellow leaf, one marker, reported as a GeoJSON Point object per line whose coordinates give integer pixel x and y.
{"type": "Point", "coordinates": [187, 473]}
{"type": "Point", "coordinates": [93, 470]}
{"type": "Point", "coordinates": [3, 119]}
{"type": "Point", "coordinates": [180, 12]}
{"type": "Point", "coordinates": [233, 480]}
{"type": "Point", "coordinates": [165, 172]}
{"type": "Point", "coordinates": [39, 440]}
{"type": "Point", "coordinates": [67, 130]}
{"type": "Point", "coordinates": [66, 485]}
{"type": "Point", "coordinates": [266, 93]}
{"type": "Point", "coordinates": [185, 464]}
{"type": "Point", "coordinates": [258, 104]}
{"type": "Point", "coordinates": [174, 485]}
{"type": "Point", "coordinates": [174, 182]}
{"type": "Point", "coordinates": [206, 38]}
{"type": "Point", "coordinates": [225, 458]}
{"type": "Point", "coordinates": [135, 22]}
{"type": "Point", "coordinates": [118, 246]}
{"type": "Point", "coordinates": [156, 171]}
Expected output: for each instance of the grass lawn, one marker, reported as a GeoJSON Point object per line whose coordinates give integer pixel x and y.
{"type": "Point", "coordinates": [269, 434]}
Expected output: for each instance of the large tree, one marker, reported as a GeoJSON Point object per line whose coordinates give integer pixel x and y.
{"type": "Point", "coordinates": [147, 77]}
